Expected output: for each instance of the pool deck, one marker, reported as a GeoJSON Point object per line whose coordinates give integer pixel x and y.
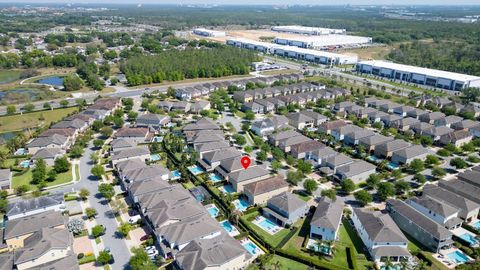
{"type": "Point", "coordinates": [461, 231]}
{"type": "Point", "coordinates": [442, 257]}
{"type": "Point", "coordinates": [234, 231]}
{"type": "Point", "coordinates": [259, 219]}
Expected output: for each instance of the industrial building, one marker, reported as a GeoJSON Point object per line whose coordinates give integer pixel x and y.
{"type": "Point", "coordinates": [208, 33]}
{"type": "Point", "coordinates": [325, 41]}
{"type": "Point", "coordinates": [320, 57]}
{"type": "Point", "coordinates": [304, 30]}
{"type": "Point", "coordinates": [418, 75]}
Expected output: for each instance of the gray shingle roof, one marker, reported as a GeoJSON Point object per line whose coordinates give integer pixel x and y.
{"type": "Point", "coordinates": [379, 227]}
{"type": "Point", "coordinates": [450, 198]}
{"type": "Point", "coordinates": [33, 223]}
{"type": "Point", "coordinates": [248, 174]}
{"type": "Point", "coordinates": [375, 139]}
{"type": "Point", "coordinates": [445, 210]}
{"type": "Point", "coordinates": [148, 186]}
{"type": "Point", "coordinates": [219, 155]}
{"type": "Point", "coordinates": [265, 186]}
{"type": "Point", "coordinates": [45, 141]}
{"type": "Point", "coordinates": [130, 153]}
{"type": "Point", "coordinates": [23, 206]}
{"type": "Point", "coordinates": [355, 168]}
{"type": "Point", "coordinates": [41, 242]}
{"type": "Point", "coordinates": [328, 214]}
{"type": "Point", "coordinates": [412, 151]}
{"type": "Point", "coordinates": [146, 173]}
{"type": "Point", "coordinates": [287, 202]}
{"type": "Point", "coordinates": [472, 177]}
{"type": "Point", "coordinates": [67, 263]}
{"type": "Point", "coordinates": [47, 153]}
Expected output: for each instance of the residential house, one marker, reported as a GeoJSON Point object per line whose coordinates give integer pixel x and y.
{"type": "Point", "coordinates": [202, 148]}
{"type": "Point", "coordinates": [421, 127]}
{"type": "Point", "coordinates": [206, 136]}
{"type": "Point", "coordinates": [260, 192]}
{"type": "Point", "coordinates": [388, 106]}
{"type": "Point", "coordinates": [5, 179]}
{"type": "Point", "coordinates": [389, 119]}
{"type": "Point", "coordinates": [146, 173]}
{"type": "Point", "coordinates": [376, 116]}
{"type": "Point", "coordinates": [403, 110]}
{"type": "Point", "coordinates": [76, 124]}
{"type": "Point", "coordinates": [253, 106]}
{"type": "Point", "coordinates": [27, 207]}
{"type": "Point", "coordinates": [300, 150]}
{"type": "Point", "coordinates": [404, 124]}
{"type": "Point", "coordinates": [457, 138]}
{"type": "Point", "coordinates": [466, 124]}
{"type": "Point", "coordinates": [354, 137]}
{"type": "Point", "coordinates": [199, 105]}
{"type": "Point", "coordinates": [337, 161]}
{"type": "Point", "coordinates": [240, 178]}
{"type": "Point", "coordinates": [54, 141]}
{"type": "Point", "coordinates": [364, 112]}
{"type": "Point", "coordinates": [357, 171]}
{"type": "Point", "coordinates": [470, 176]}
{"type": "Point", "coordinates": [342, 106]}
{"type": "Point", "coordinates": [326, 220]}
{"type": "Point", "coordinates": [201, 124]}
{"type": "Point", "coordinates": [300, 120]}
{"type": "Point", "coordinates": [432, 235]}
{"type": "Point", "coordinates": [417, 113]}
{"type": "Point", "coordinates": [276, 138]}
{"type": "Point", "coordinates": [150, 186]}
{"type": "Point", "coordinates": [462, 188]}
{"type": "Point", "coordinates": [268, 125]}
{"type": "Point", "coordinates": [370, 142]}
{"type": "Point", "coordinates": [317, 157]}
{"type": "Point", "coordinates": [211, 160]}
{"type": "Point", "coordinates": [153, 121]}
{"type": "Point", "coordinates": [386, 149]}
{"type": "Point", "coordinates": [471, 108]}
{"type": "Point", "coordinates": [468, 209]}
{"type": "Point", "coordinates": [381, 236]}
{"type": "Point", "coordinates": [443, 214]}
{"type": "Point", "coordinates": [285, 209]}
{"type": "Point", "coordinates": [70, 133]}
{"type": "Point", "coordinates": [49, 155]}
{"type": "Point", "coordinates": [437, 132]}
{"type": "Point", "coordinates": [18, 230]}
{"type": "Point", "coordinates": [329, 125]}
{"type": "Point", "coordinates": [134, 135]}
{"type": "Point", "coordinates": [181, 106]}
{"type": "Point", "coordinates": [230, 165]}
{"type": "Point", "coordinates": [432, 117]}
{"type": "Point", "coordinates": [407, 155]}
{"type": "Point", "coordinates": [140, 152]}
{"type": "Point", "coordinates": [448, 121]}
{"type": "Point", "coordinates": [340, 132]}
{"type": "Point", "coordinates": [286, 144]}
{"type": "Point", "coordinates": [121, 144]}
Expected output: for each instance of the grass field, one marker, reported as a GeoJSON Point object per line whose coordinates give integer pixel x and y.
{"type": "Point", "coordinates": [278, 72]}
{"type": "Point", "coordinates": [371, 52]}
{"type": "Point", "coordinates": [7, 76]}
{"type": "Point", "coordinates": [284, 263]}
{"type": "Point", "coordinates": [25, 179]}
{"type": "Point", "coordinates": [31, 120]}
{"type": "Point", "coordinates": [273, 240]}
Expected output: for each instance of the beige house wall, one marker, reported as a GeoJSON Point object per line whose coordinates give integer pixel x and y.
{"type": "Point", "coordinates": [263, 198]}
{"type": "Point", "coordinates": [51, 255]}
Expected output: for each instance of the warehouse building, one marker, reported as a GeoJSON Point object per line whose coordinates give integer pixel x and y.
{"type": "Point", "coordinates": [418, 75]}
{"type": "Point", "coordinates": [304, 30]}
{"type": "Point", "coordinates": [208, 33]}
{"type": "Point", "coordinates": [319, 57]}
{"type": "Point", "coordinates": [324, 42]}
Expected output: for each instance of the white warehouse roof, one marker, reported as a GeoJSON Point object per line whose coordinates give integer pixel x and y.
{"type": "Point", "coordinates": [327, 40]}
{"type": "Point", "coordinates": [316, 52]}
{"type": "Point", "coordinates": [307, 30]}
{"type": "Point", "coordinates": [419, 70]}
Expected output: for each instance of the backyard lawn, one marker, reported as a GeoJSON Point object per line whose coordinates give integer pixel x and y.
{"type": "Point", "coordinates": [273, 240]}
{"type": "Point", "coordinates": [285, 263]}
{"type": "Point", "coordinates": [25, 179]}
{"type": "Point", "coordinates": [31, 120]}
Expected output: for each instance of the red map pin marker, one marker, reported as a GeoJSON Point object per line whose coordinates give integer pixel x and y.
{"type": "Point", "coordinates": [245, 162]}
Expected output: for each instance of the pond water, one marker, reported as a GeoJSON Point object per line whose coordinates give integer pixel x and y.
{"type": "Point", "coordinates": [52, 80]}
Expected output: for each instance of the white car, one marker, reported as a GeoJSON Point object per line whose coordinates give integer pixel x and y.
{"type": "Point", "coordinates": [150, 248]}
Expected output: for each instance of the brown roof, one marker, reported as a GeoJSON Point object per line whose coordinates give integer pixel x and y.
{"type": "Point", "coordinates": [132, 132]}
{"type": "Point", "coordinates": [307, 146]}
{"type": "Point", "coordinates": [332, 124]}
{"type": "Point", "coordinates": [67, 132]}
{"type": "Point", "coordinates": [80, 116]}
{"type": "Point", "coordinates": [267, 185]}
{"type": "Point", "coordinates": [105, 104]}
{"type": "Point", "coordinates": [458, 135]}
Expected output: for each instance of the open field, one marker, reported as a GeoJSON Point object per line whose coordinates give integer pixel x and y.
{"type": "Point", "coordinates": [198, 80]}
{"type": "Point", "coordinates": [31, 120]}
{"type": "Point", "coordinates": [7, 76]}
{"type": "Point", "coordinates": [371, 52]}
{"type": "Point", "coordinates": [278, 72]}
{"type": "Point", "coordinates": [25, 179]}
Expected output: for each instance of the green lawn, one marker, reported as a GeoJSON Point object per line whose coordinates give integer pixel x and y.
{"type": "Point", "coordinates": [7, 76]}
{"type": "Point", "coordinates": [273, 240]}
{"type": "Point", "coordinates": [25, 179]}
{"type": "Point", "coordinates": [34, 119]}
{"type": "Point", "coordinates": [414, 246]}
{"type": "Point", "coordinates": [285, 263]}
{"type": "Point", "coordinates": [240, 114]}
{"type": "Point", "coordinates": [188, 185]}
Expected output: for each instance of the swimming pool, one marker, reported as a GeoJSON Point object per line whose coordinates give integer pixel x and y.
{"type": "Point", "coordinates": [227, 189]}
{"type": "Point", "coordinates": [250, 247]}
{"type": "Point", "coordinates": [155, 157]}
{"type": "Point", "coordinates": [393, 166]}
{"type": "Point", "coordinates": [215, 178]}
{"type": "Point", "coordinates": [176, 174]}
{"type": "Point", "coordinates": [472, 240]}
{"type": "Point", "coordinates": [267, 225]}
{"type": "Point", "coordinates": [458, 257]}
{"type": "Point", "coordinates": [20, 152]}
{"type": "Point", "coordinates": [241, 205]}
{"type": "Point", "coordinates": [323, 248]}
{"type": "Point", "coordinates": [476, 225]}
{"type": "Point", "coordinates": [372, 158]}
{"type": "Point", "coordinates": [25, 164]}
{"type": "Point", "coordinates": [196, 170]}
{"type": "Point", "coordinates": [213, 211]}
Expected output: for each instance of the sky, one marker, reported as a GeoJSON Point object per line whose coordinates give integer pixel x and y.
{"type": "Point", "coordinates": [263, 2]}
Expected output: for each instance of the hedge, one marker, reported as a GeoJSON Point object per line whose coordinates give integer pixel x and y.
{"type": "Point", "coordinates": [470, 228]}
{"type": "Point", "coordinates": [299, 257]}
{"type": "Point", "coordinates": [287, 238]}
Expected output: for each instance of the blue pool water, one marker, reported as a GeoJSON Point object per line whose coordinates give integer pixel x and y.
{"type": "Point", "coordinates": [176, 174]}
{"type": "Point", "coordinates": [215, 178]}
{"type": "Point", "coordinates": [476, 225]}
{"type": "Point", "coordinates": [250, 247]}
{"type": "Point", "coordinates": [267, 225]}
{"type": "Point", "coordinates": [227, 226]}
{"type": "Point", "coordinates": [213, 211]}
{"type": "Point", "coordinates": [469, 238]}
{"type": "Point", "coordinates": [241, 205]}
{"type": "Point", "coordinates": [458, 257]}
{"type": "Point", "coordinates": [155, 157]}
{"type": "Point", "coordinates": [323, 249]}
{"type": "Point", "coordinates": [393, 166]}
{"type": "Point", "coordinates": [54, 80]}
{"type": "Point", "coordinates": [196, 170]}
{"type": "Point", "coordinates": [372, 158]}
{"type": "Point", "coordinates": [228, 189]}
{"type": "Point", "coordinates": [25, 164]}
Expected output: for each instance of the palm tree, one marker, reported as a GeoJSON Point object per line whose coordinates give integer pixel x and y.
{"type": "Point", "coordinates": [319, 244]}
{"type": "Point", "coordinates": [404, 265]}
{"type": "Point", "coordinates": [235, 216]}
{"type": "Point", "coordinates": [277, 265]}
{"type": "Point", "coordinates": [422, 265]}
{"type": "Point", "coordinates": [388, 264]}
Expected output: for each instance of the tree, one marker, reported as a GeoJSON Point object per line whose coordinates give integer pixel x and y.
{"type": "Point", "coordinates": [132, 116]}
{"type": "Point", "coordinates": [118, 122]}
{"type": "Point", "coordinates": [98, 171]}
{"type": "Point", "coordinates": [276, 165]}
{"type": "Point", "coordinates": [11, 109]}
{"type": "Point", "coordinates": [304, 166]}
{"type": "Point", "coordinates": [106, 132]}
{"type": "Point", "coordinates": [51, 176]}
{"type": "Point", "coordinates": [293, 177]}
{"type": "Point", "coordinates": [84, 193]}
{"type": "Point", "coordinates": [432, 160]}
{"type": "Point", "coordinates": [458, 163]}
{"type": "Point", "coordinates": [98, 143]}
{"type": "Point", "coordinates": [106, 190]}
{"type": "Point", "coordinates": [97, 125]}
{"type": "Point", "coordinates": [72, 83]}
{"type": "Point", "coordinates": [363, 197]}
{"type": "Point", "coordinates": [426, 140]}
{"type": "Point", "coordinates": [261, 156]}
{"type": "Point", "coordinates": [29, 107]}
{"type": "Point", "coordinates": [76, 151]}
{"type": "Point", "coordinates": [47, 106]}
{"type": "Point", "coordinates": [76, 226]}
{"type": "Point", "coordinates": [249, 115]}
{"type": "Point", "coordinates": [278, 154]}
{"type": "Point", "coordinates": [119, 207]}
{"type": "Point", "coordinates": [124, 229]}
{"type": "Point", "coordinates": [90, 212]}
{"type": "Point", "coordinates": [402, 186]}
{"type": "Point", "coordinates": [64, 103]}
{"type": "Point", "coordinates": [438, 172]}
{"type": "Point", "coordinates": [290, 160]}
{"type": "Point", "coordinates": [385, 190]}
{"type": "Point", "coordinates": [373, 180]}
{"type": "Point", "coordinates": [310, 185]}
{"type": "Point", "coordinates": [39, 172]}
{"type": "Point", "coordinates": [21, 189]}
{"type": "Point", "coordinates": [348, 185]}
{"type": "Point", "coordinates": [141, 261]}
{"type": "Point", "coordinates": [239, 139]}
{"type": "Point", "coordinates": [97, 231]}
{"type": "Point", "coordinates": [104, 257]}
{"type": "Point", "coordinates": [61, 165]}
{"type": "Point", "coordinates": [417, 165]}
{"type": "Point", "coordinates": [330, 193]}
{"type": "Point", "coordinates": [419, 178]}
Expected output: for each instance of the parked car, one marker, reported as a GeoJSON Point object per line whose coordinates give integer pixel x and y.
{"type": "Point", "coordinates": [134, 219]}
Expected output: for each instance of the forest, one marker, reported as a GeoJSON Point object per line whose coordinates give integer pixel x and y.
{"type": "Point", "coordinates": [187, 64]}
